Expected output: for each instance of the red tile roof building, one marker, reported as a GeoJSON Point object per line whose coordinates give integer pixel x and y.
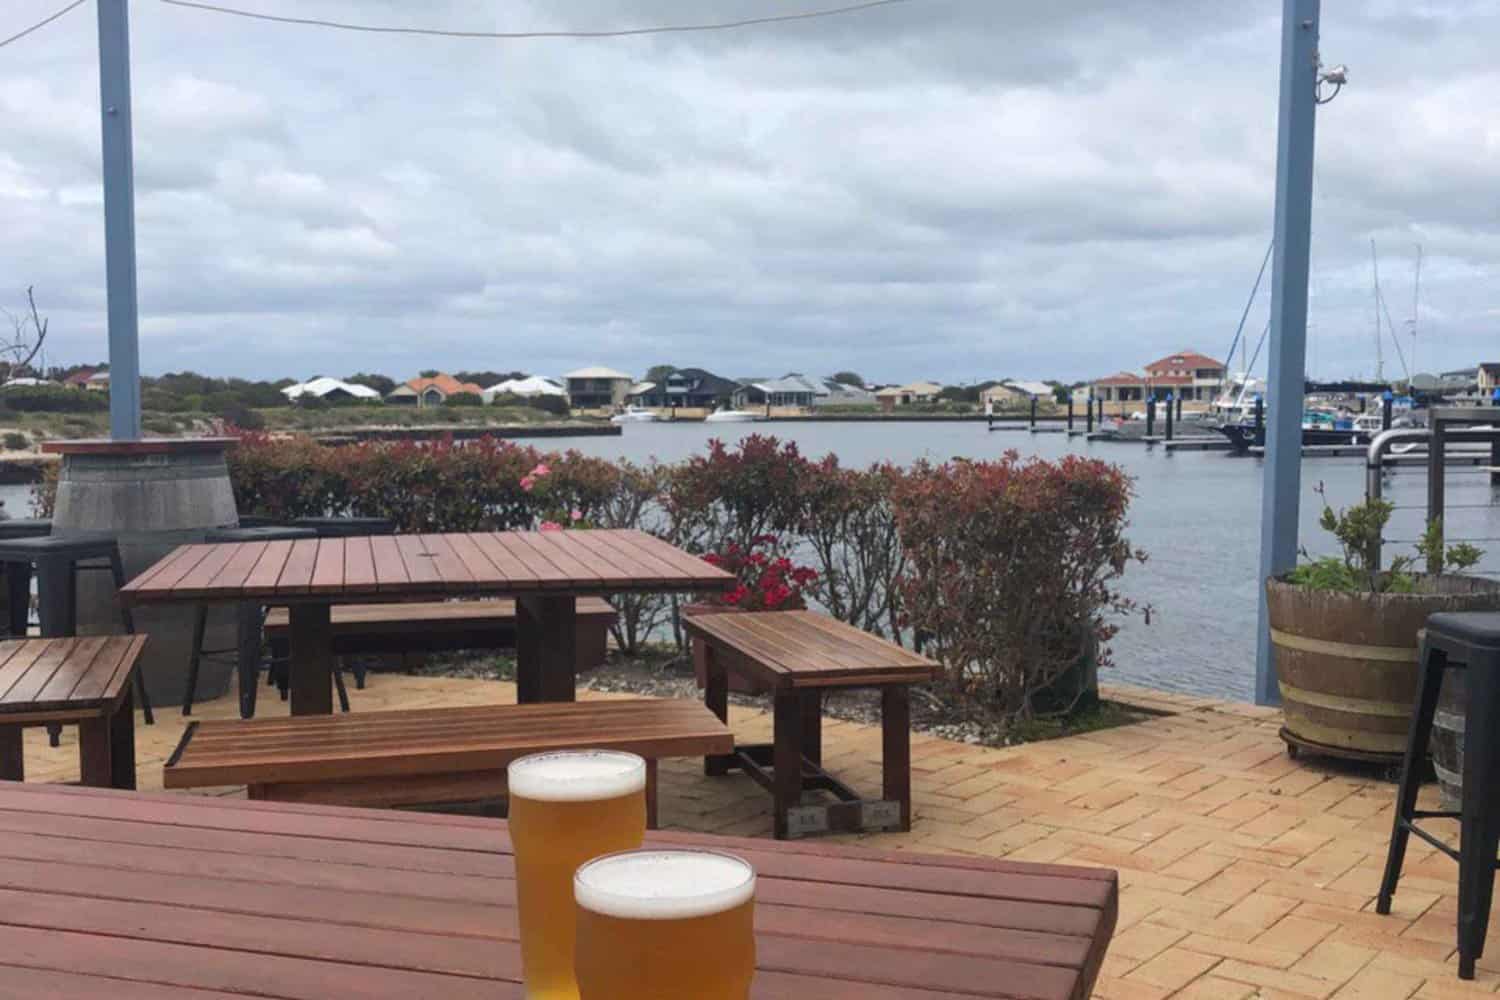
{"type": "Point", "coordinates": [1188, 375]}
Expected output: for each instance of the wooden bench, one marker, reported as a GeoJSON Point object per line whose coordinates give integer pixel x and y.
{"type": "Point", "coordinates": [430, 756]}
{"type": "Point", "coordinates": [440, 626]}
{"type": "Point", "coordinates": [798, 655]}
{"type": "Point", "coordinates": [72, 681]}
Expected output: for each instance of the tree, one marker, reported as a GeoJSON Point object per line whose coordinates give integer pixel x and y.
{"type": "Point", "coordinates": [379, 383]}
{"type": "Point", "coordinates": [849, 378]}
{"type": "Point", "coordinates": [429, 373]}
{"type": "Point", "coordinates": [28, 335]}
{"type": "Point", "coordinates": [486, 379]}
{"type": "Point", "coordinates": [659, 373]}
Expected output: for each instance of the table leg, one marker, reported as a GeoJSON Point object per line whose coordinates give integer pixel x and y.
{"type": "Point", "coordinates": [122, 743]}
{"type": "Point", "coordinates": [18, 597]}
{"type": "Point", "coordinates": [786, 758]}
{"type": "Point", "coordinates": [12, 760]}
{"type": "Point", "coordinates": [546, 648]}
{"type": "Point", "coordinates": [95, 753]}
{"type": "Point", "coordinates": [311, 665]}
{"type": "Point", "coordinates": [895, 751]}
{"type": "Point", "coordinates": [716, 697]}
{"type": "Point", "coordinates": [812, 725]}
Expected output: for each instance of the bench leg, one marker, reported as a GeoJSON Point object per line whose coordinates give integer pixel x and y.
{"type": "Point", "coordinates": [12, 759]}
{"type": "Point", "coordinates": [546, 648]}
{"type": "Point", "coordinates": [106, 748]}
{"type": "Point", "coordinates": [895, 751]}
{"type": "Point", "coordinates": [786, 758]}
{"type": "Point", "coordinates": [812, 725]}
{"type": "Point", "coordinates": [18, 591]}
{"type": "Point", "coordinates": [716, 697]}
{"type": "Point", "coordinates": [311, 666]}
{"type": "Point", "coordinates": [651, 793]}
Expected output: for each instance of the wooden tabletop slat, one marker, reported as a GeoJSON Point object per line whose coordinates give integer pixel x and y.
{"type": "Point", "coordinates": [810, 648]}
{"type": "Point", "coordinates": [168, 564]}
{"type": "Point", "coordinates": [539, 568]}
{"type": "Point", "coordinates": [263, 577]}
{"type": "Point", "coordinates": [237, 570]}
{"type": "Point", "coordinates": [125, 895]}
{"type": "Point", "coordinates": [390, 568]}
{"type": "Point", "coordinates": [202, 575]}
{"type": "Point", "coordinates": [486, 575]}
{"type": "Point", "coordinates": [19, 656]}
{"type": "Point", "coordinates": [88, 654]}
{"type": "Point", "coordinates": [451, 568]}
{"type": "Point", "coordinates": [624, 561]}
{"type": "Point", "coordinates": [328, 567]}
{"type": "Point", "coordinates": [568, 568]}
{"type": "Point", "coordinates": [296, 575]}
{"type": "Point", "coordinates": [24, 691]}
{"type": "Point", "coordinates": [419, 560]}
{"type": "Point", "coordinates": [107, 682]}
{"type": "Point", "coordinates": [359, 564]}
{"type": "Point", "coordinates": [512, 572]}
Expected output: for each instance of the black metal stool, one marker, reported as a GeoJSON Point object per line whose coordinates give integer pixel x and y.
{"type": "Point", "coordinates": [250, 619]}
{"type": "Point", "coordinates": [345, 527]}
{"type": "Point", "coordinates": [25, 527]}
{"type": "Point", "coordinates": [18, 587]}
{"type": "Point", "coordinates": [1468, 641]}
{"type": "Point", "coordinates": [57, 560]}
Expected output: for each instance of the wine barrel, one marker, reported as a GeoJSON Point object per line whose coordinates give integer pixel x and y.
{"type": "Point", "coordinates": [1346, 664]}
{"type": "Point", "coordinates": [1447, 742]}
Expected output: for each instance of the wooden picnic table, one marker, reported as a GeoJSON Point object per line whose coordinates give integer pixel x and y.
{"type": "Point", "coordinates": [546, 572]}
{"type": "Point", "coordinates": [128, 896]}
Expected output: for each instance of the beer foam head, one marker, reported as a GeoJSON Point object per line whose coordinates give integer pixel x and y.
{"type": "Point", "coordinates": [663, 885]}
{"type": "Point", "coordinates": [576, 775]}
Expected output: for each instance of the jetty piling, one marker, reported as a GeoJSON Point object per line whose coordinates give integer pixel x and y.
{"type": "Point", "coordinates": [1089, 412]}
{"type": "Point", "coordinates": [1151, 416]}
{"type": "Point", "coordinates": [1070, 413]}
{"type": "Point", "coordinates": [1170, 407]}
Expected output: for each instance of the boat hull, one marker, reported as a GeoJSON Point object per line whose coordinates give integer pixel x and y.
{"type": "Point", "coordinates": [1243, 437]}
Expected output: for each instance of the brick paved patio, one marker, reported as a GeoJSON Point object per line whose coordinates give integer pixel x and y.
{"type": "Point", "coordinates": [1244, 874]}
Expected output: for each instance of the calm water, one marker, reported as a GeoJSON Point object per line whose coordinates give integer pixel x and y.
{"type": "Point", "coordinates": [1197, 515]}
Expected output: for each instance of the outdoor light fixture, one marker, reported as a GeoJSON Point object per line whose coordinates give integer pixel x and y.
{"type": "Point", "coordinates": [1337, 76]}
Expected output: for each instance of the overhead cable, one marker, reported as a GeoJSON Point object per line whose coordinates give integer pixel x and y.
{"type": "Point", "coordinates": [520, 35]}
{"type": "Point", "coordinates": [41, 24]}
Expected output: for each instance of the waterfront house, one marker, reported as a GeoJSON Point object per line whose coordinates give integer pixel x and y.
{"type": "Point", "coordinates": [80, 378]}
{"type": "Point", "coordinates": [685, 388]}
{"type": "Point", "coordinates": [433, 390]}
{"type": "Point", "coordinates": [525, 388]}
{"type": "Point", "coordinates": [1488, 377]}
{"type": "Point", "coordinates": [98, 382]}
{"type": "Point", "coordinates": [330, 389]}
{"type": "Point", "coordinates": [842, 394]}
{"type": "Point", "coordinates": [907, 395]}
{"type": "Point", "coordinates": [597, 388]}
{"type": "Point", "coordinates": [793, 390]}
{"type": "Point", "coordinates": [1187, 375]}
{"type": "Point", "coordinates": [1012, 395]}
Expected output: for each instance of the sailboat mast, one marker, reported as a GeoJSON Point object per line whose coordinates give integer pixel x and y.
{"type": "Point", "coordinates": [1379, 351]}
{"type": "Point", "coordinates": [1416, 301]}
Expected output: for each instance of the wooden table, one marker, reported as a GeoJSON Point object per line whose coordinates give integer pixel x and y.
{"type": "Point", "coordinates": [72, 681]}
{"type": "Point", "coordinates": [798, 656]}
{"type": "Point", "coordinates": [131, 896]}
{"type": "Point", "coordinates": [546, 572]}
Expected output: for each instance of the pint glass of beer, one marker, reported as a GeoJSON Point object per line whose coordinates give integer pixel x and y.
{"type": "Point", "coordinates": [566, 808]}
{"type": "Point", "coordinates": [665, 925]}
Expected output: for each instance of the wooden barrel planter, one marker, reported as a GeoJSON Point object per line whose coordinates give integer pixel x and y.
{"type": "Point", "coordinates": [1346, 664]}
{"type": "Point", "coordinates": [1448, 739]}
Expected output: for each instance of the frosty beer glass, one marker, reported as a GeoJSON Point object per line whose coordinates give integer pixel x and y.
{"type": "Point", "coordinates": [665, 925]}
{"type": "Point", "coordinates": [566, 808]}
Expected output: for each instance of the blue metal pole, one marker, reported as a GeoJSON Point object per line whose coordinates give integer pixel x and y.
{"type": "Point", "coordinates": [1288, 362]}
{"type": "Point", "coordinates": [119, 221]}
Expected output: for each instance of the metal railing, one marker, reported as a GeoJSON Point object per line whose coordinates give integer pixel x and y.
{"type": "Point", "coordinates": [1434, 441]}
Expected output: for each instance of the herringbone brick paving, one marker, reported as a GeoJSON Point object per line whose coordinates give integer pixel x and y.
{"type": "Point", "coordinates": [1243, 874]}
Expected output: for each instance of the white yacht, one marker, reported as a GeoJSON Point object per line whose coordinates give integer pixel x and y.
{"type": "Point", "coordinates": [730, 416]}
{"type": "Point", "coordinates": [635, 415]}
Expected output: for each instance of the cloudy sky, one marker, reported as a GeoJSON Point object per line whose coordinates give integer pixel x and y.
{"type": "Point", "coordinates": [952, 189]}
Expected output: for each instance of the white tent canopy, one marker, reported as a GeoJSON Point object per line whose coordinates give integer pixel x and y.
{"type": "Point", "coordinates": [533, 385]}
{"type": "Point", "coordinates": [324, 386]}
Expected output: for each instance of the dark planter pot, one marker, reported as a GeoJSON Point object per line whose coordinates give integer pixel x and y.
{"type": "Point", "coordinates": [1346, 664]}
{"type": "Point", "coordinates": [737, 683]}
{"type": "Point", "coordinates": [1076, 688]}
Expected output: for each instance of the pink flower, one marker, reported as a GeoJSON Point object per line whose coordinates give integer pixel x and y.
{"type": "Point", "coordinates": [528, 483]}
{"type": "Point", "coordinates": [551, 526]}
{"type": "Point", "coordinates": [542, 469]}
{"type": "Point", "coordinates": [577, 514]}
